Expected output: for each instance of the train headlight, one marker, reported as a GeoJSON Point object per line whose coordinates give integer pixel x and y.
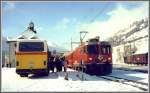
{"type": "Point", "coordinates": [138, 58]}
{"type": "Point", "coordinates": [90, 58]}
{"type": "Point", "coordinates": [109, 58]}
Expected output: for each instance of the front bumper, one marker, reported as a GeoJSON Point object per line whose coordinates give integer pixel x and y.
{"type": "Point", "coordinates": [30, 71]}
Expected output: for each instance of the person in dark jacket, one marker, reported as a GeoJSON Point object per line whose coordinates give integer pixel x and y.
{"type": "Point", "coordinates": [52, 64]}
{"type": "Point", "coordinates": [60, 64]}
{"type": "Point", "coordinates": [57, 62]}
{"type": "Point", "coordinates": [64, 63]}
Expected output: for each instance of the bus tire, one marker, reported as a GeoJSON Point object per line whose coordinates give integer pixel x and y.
{"type": "Point", "coordinates": [46, 73]}
{"type": "Point", "coordinates": [23, 75]}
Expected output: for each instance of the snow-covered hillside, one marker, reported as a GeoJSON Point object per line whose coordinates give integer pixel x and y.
{"type": "Point", "coordinates": [133, 40]}
{"type": "Point", "coordinates": [137, 30]}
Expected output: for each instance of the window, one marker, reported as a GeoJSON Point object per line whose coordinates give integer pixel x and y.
{"type": "Point", "coordinates": [105, 50]}
{"type": "Point", "coordinates": [92, 49]}
{"type": "Point", "coordinates": [108, 50]}
{"type": "Point", "coordinates": [85, 49]}
{"type": "Point", "coordinates": [31, 46]}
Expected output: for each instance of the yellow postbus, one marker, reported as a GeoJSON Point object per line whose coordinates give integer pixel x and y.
{"type": "Point", "coordinates": [31, 57]}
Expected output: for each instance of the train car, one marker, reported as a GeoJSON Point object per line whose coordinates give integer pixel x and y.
{"type": "Point", "coordinates": [31, 57]}
{"type": "Point", "coordinates": [93, 57]}
{"type": "Point", "coordinates": [137, 59]}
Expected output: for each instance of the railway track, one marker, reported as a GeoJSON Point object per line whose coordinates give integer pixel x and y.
{"type": "Point", "coordinates": [133, 83]}
{"type": "Point", "coordinates": [81, 77]}
{"type": "Point", "coordinates": [140, 85]}
{"type": "Point", "coordinates": [136, 70]}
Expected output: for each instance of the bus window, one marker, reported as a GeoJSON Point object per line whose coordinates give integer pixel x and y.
{"type": "Point", "coordinates": [31, 46]}
{"type": "Point", "coordinates": [92, 49]}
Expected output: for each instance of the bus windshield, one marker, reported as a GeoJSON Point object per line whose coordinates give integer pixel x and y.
{"type": "Point", "coordinates": [31, 46]}
{"type": "Point", "coordinates": [92, 49]}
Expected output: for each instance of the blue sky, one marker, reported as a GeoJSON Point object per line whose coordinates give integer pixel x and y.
{"type": "Point", "coordinates": [57, 22]}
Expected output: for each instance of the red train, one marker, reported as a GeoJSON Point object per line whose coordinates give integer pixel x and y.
{"type": "Point", "coordinates": [137, 59]}
{"type": "Point", "coordinates": [93, 57]}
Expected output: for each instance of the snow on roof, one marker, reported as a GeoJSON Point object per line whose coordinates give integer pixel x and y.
{"type": "Point", "coordinates": [30, 40]}
{"type": "Point", "coordinates": [9, 39]}
{"type": "Point", "coordinates": [28, 34]}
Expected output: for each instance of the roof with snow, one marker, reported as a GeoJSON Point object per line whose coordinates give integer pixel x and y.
{"type": "Point", "coordinates": [30, 33]}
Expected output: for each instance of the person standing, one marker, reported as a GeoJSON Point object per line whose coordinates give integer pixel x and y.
{"type": "Point", "coordinates": [60, 64]}
{"type": "Point", "coordinates": [57, 62]}
{"type": "Point", "coordinates": [52, 62]}
{"type": "Point", "coordinates": [64, 64]}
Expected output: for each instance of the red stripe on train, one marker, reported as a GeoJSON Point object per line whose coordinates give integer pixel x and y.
{"type": "Point", "coordinates": [31, 53]}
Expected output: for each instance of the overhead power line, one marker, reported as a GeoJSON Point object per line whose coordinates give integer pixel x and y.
{"type": "Point", "coordinates": [100, 12]}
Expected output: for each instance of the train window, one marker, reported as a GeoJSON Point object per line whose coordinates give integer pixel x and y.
{"type": "Point", "coordinates": [108, 50]}
{"type": "Point", "coordinates": [92, 49]}
{"type": "Point", "coordinates": [143, 58]}
{"type": "Point", "coordinates": [105, 50]}
{"type": "Point", "coordinates": [85, 49]}
{"type": "Point", "coordinates": [31, 46]}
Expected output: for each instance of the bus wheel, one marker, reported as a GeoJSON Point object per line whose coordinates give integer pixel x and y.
{"type": "Point", "coordinates": [24, 75]}
{"type": "Point", "coordinates": [46, 73]}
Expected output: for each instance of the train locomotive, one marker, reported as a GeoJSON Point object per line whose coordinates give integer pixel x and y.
{"type": "Point", "coordinates": [93, 57]}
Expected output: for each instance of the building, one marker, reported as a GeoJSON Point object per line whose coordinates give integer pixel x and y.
{"type": "Point", "coordinates": [30, 33]}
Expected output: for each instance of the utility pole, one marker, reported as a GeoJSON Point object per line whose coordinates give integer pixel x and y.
{"type": "Point", "coordinates": [81, 42]}
{"type": "Point", "coordinates": [81, 38]}
{"type": "Point", "coordinates": [71, 43]}
{"type": "Point", "coordinates": [72, 49]}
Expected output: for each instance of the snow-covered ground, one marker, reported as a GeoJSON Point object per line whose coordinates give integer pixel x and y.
{"type": "Point", "coordinates": [55, 82]}
{"type": "Point", "coordinates": [131, 75]}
